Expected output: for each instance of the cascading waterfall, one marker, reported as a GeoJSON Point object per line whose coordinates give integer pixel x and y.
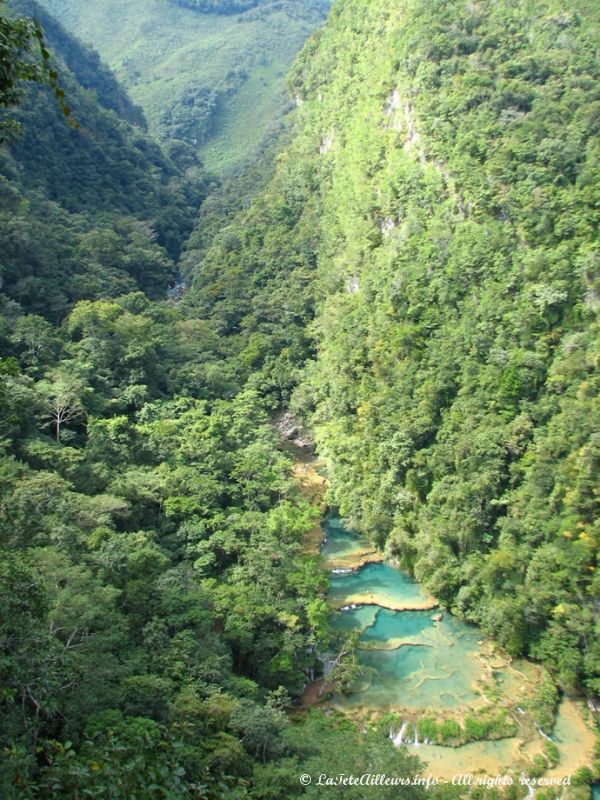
{"type": "Point", "coordinates": [530, 789]}
{"type": "Point", "coordinates": [399, 737]}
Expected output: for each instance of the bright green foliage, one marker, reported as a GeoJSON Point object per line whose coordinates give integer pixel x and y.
{"type": "Point", "coordinates": [335, 747]}
{"type": "Point", "coordinates": [254, 280]}
{"type": "Point", "coordinates": [435, 210]}
{"type": "Point", "coordinates": [420, 273]}
{"type": "Point", "coordinates": [449, 730]}
{"type": "Point", "coordinates": [157, 611]}
{"type": "Point", "coordinates": [213, 80]}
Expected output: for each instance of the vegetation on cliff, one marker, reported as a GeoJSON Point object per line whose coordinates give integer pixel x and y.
{"type": "Point", "coordinates": [437, 211]}
{"type": "Point", "coordinates": [417, 276]}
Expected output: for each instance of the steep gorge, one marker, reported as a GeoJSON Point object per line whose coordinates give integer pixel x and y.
{"type": "Point", "coordinates": [417, 280]}
{"type": "Point", "coordinates": [449, 154]}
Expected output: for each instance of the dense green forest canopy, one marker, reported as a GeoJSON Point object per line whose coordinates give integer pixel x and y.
{"type": "Point", "coordinates": [83, 62]}
{"type": "Point", "coordinates": [91, 211]}
{"type": "Point", "coordinates": [438, 210]}
{"type": "Point", "coordinates": [157, 611]}
{"type": "Point", "coordinates": [417, 277]}
{"type": "Point", "coordinates": [455, 394]}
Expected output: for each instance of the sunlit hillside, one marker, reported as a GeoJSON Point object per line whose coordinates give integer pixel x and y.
{"type": "Point", "coordinates": [214, 80]}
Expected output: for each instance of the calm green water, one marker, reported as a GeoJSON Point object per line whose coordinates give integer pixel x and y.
{"type": "Point", "coordinates": [429, 664]}
{"type": "Point", "coordinates": [339, 542]}
{"type": "Point", "coordinates": [410, 661]}
{"type": "Point", "coordinates": [379, 583]}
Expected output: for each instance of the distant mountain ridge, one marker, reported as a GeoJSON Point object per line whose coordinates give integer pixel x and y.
{"type": "Point", "coordinates": [202, 73]}
{"type": "Point", "coordinates": [100, 209]}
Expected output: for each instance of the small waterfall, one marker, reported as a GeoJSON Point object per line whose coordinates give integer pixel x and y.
{"type": "Point", "coordinates": [541, 733]}
{"type": "Point", "coordinates": [398, 738]}
{"type": "Point", "coordinates": [401, 736]}
{"type": "Point", "coordinates": [530, 789]}
{"type": "Point", "coordinates": [327, 664]}
{"type": "Point", "coordinates": [520, 710]}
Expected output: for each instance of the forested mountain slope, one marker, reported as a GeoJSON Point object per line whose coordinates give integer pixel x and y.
{"type": "Point", "coordinates": [158, 612]}
{"type": "Point", "coordinates": [205, 73]}
{"type": "Point", "coordinates": [418, 279]}
{"type": "Point", "coordinates": [439, 207]}
{"type": "Point", "coordinates": [88, 211]}
{"type": "Point", "coordinates": [83, 62]}
{"type": "Point", "coordinates": [455, 393]}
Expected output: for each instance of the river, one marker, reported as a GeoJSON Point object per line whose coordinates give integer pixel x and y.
{"type": "Point", "coordinates": [420, 661]}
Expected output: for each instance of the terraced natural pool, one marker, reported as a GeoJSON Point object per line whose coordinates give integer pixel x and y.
{"type": "Point", "coordinates": [411, 657]}
{"type": "Point", "coordinates": [416, 659]}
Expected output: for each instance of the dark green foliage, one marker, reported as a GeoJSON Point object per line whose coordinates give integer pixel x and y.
{"type": "Point", "coordinates": [338, 745]}
{"type": "Point", "coordinates": [23, 57]}
{"type": "Point", "coordinates": [52, 258]}
{"type": "Point", "coordinates": [435, 208]}
{"type": "Point", "coordinates": [105, 165]}
{"type": "Point", "coordinates": [88, 211]}
{"type": "Point", "coordinates": [153, 587]}
{"type": "Point", "coordinates": [254, 279]}
{"type": "Point", "coordinates": [83, 62]}
{"type": "Point", "coordinates": [420, 274]}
